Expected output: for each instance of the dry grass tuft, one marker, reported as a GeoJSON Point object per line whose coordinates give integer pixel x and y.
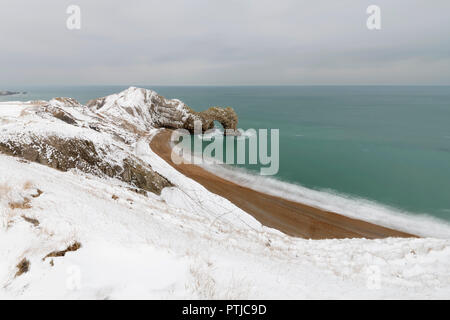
{"type": "Point", "coordinates": [23, 267]}
{"type": "Point", "coordinates": [202, 283]}
{"type": "Point", "coordinates": [5, 189]}
{"type": "Point", "coordinates": [38, 193]}
{"type": "Point", "coordinates": [24, 204]}
{"type": "Point", "coordinates": [33, 221]}
{"type": "Point", "coordinates": [23, 113]}
{"type": "Point", "coordinates": [73, 247]}
{"type": "Point", "coordinates": [27, 185]}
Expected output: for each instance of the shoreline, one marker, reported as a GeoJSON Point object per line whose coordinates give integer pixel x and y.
{"type": "Point", "coordinates": [293, 218]}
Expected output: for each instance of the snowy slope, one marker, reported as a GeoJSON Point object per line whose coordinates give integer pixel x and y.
{"type": "Point", "coordinates": [184, 243]}
{"type": "Point", "coordinates": [144, 108]}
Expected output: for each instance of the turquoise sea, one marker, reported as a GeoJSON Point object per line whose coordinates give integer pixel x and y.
{"type": "Point", "coordinates": [386, 144]}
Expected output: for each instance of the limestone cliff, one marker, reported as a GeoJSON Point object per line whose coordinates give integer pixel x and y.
{"type": "Point", "coordinates": [152, 110]}
{"type": "Point", "coordinates": [98, 138]}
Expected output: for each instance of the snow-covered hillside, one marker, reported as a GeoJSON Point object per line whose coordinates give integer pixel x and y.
{"type": "Point", "coordinates": [83, 231]}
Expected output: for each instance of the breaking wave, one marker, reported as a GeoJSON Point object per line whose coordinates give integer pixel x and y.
{"type": "Point", "coordinates": [358, 208]}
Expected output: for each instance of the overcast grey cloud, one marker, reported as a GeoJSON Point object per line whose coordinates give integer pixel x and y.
{"type": "Point", "coordinates": [201, 42]}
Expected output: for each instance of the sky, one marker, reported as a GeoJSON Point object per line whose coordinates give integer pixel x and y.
{"type": "Point", "coordinates": [232, 42]}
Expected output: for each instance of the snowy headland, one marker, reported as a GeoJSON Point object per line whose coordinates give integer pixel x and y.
{"type": "Point", "coordinates": [88, 210]}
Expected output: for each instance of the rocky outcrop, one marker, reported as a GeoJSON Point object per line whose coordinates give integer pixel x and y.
{"type": "Point", "coordinates": [155, 111]}
{"type": "Point", "coordinates": [227, 117]}
{"type": "Point", "coordinates": [56, 107]}
{"type": "Point", "coordinates": [74, 153]}
{"type": "Point", "coordinates": [10, 93]}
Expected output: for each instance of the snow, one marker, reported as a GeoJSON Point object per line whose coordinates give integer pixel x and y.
{"type": "Point", "coordinates": [186, 243]}
{"type": "Point", "coordinates": [136, 105]}
{"type": "Point", "coordinates": [13, 108]}
{"type": "Point", "coordinates": [138, 247]}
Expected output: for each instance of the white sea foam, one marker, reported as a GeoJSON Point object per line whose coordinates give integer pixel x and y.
{"type": "Point", "coordinates": [213, 133]}
{"type": "Point", "coordinates": [358, 208]}
{"type": "Point", "coordinates": [419, 224]}
{"type": "Point", "coordinates": [217, 133]}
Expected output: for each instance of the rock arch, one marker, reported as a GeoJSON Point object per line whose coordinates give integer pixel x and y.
{"type": "Point", "coordinates": [227, 117]}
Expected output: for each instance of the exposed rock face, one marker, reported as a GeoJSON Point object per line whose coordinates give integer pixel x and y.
{"type": "Point", "coordinates": [226, 116]}
{"type": "Point", "coordinates": [65, 154]}
{"type": "Point", "coordinates": [140, 175]}
{"type": "Point", "coordinates": [58, 153]}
